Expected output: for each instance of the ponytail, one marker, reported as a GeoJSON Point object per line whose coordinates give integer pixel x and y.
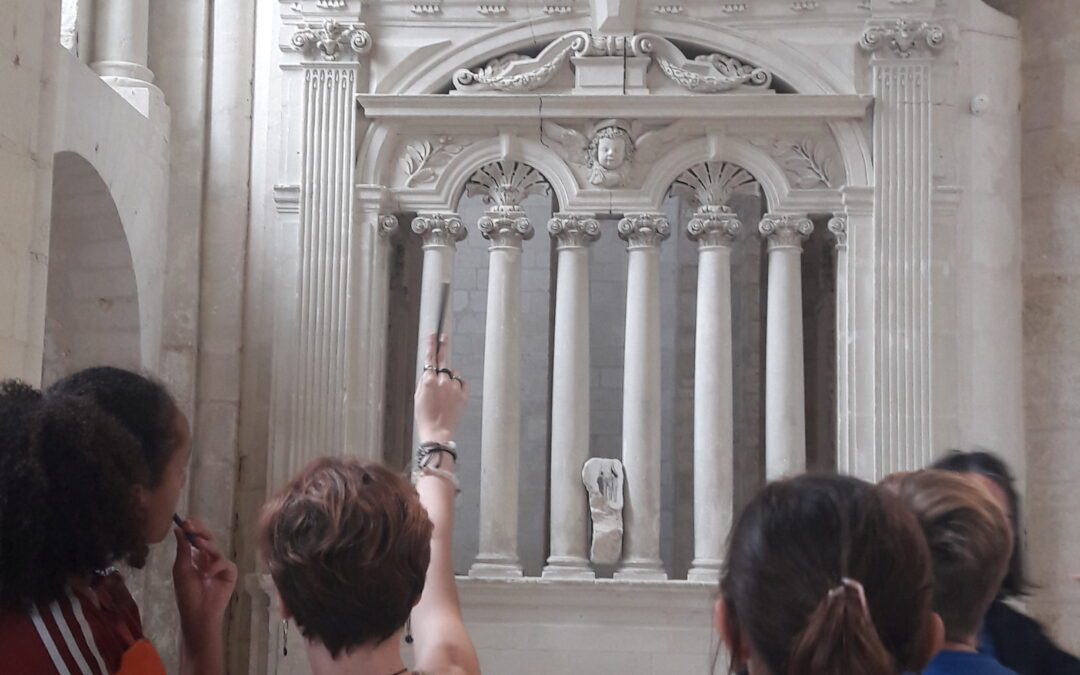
{"type": "Point", "coordinates": [840, 638]}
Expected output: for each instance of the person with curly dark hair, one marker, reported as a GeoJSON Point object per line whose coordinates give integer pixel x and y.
{"type": "Point", "coordinates": [1012, 637]}
{"type": "Point", "coordinates": [90, 474]}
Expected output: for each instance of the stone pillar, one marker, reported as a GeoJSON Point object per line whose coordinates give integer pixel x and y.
{"type": "Point", "coordinates": [714, 229]}
{"type": "Point", "coordinates": [643, 234]}
{"type": "Point", "coordinates": [570, 398]}
{"type": "Point", "coordinates": [310, 392]}
{"type": "Point", "coordinates": [368, 291]}
{"type": "Point", "coordinates": [901, 68]}
{"type": "Point", "coordinates": [121, 36]}
{"type": "Point", "coordinates": [500, 434]}
{"type": "Point", "coordinates": [505, 185]}
{"type": "Point", "coordinates": [845, 462]}
{"type": "Point", "coordinates": [440, 233]}
{"type": "Point", "coordinates": [785, 391]}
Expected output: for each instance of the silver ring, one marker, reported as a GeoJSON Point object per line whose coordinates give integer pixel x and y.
{"type": "Point", "coordinates": [458, 380]}
{"type": "Point", "coordinates": [429, 368]}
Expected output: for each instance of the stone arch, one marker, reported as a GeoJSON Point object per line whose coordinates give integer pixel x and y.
{"type": "Point", "coordinates": [450, 184]}
{"type": "Point", "coordinates": [92, 298]}
{"type": "Point", "coordinates": [772, 179]}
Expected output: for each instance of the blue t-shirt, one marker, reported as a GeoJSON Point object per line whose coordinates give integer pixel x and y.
{"type": "Point", "coordinates": [965, 663]}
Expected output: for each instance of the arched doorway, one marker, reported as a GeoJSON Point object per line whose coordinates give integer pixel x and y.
{"type": "Point", "coordinates": [92, 303]}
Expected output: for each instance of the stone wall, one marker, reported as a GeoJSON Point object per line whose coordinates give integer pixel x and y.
{"type": "Point", "coordinates": [27, 108]}
{"type": "Point", "coordinates": [1051, 270]}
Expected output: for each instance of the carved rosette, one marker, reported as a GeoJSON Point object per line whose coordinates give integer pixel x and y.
{"type": "Point", "coordinates": [572, 230]}
{"type": "Point", "coordinates": [785, 231]}
{"type": "Point", "coordinates": [505, 228]}
{"type": "Point", "coordinates": [838, 227]}
{"type": "Point", "coordinates": [331, 39]}
{"type": "Point", "coordinates": [388, 226]}
{"type": "Point", "coordinates": [644, 230]}
{"type": "Point", "coordinates": [714, 226]}
{"type": "Point", "coordinates": [439, 229]}
{"type": "Point", "coordinates": [903, 37]}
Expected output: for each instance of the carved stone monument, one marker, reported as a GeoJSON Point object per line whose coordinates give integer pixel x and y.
{"type": "Point", "coordinates": [603, 479]}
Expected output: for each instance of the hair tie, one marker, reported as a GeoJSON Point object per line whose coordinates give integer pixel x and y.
{"type": "Point", "coordinates": [849, 583]}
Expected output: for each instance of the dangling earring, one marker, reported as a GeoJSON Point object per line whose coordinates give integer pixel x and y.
{"type": "Point", "coordinates": [408, 630]}
{"type": "Point", "coordinates": [284, 637]}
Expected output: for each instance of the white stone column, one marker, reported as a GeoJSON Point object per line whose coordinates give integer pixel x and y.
{"type": "Point", "coordinates": [500, 434]}
{"type": "Point", "coordinates": [845, 462]}
{"type": "Point", "coordinates": [714, 229]}
{"type": "Point", "coordinates": [440, 233]}
{"type": "Point", "coordinates": [120, 39]}
{"type": "Point", "coordinates": [570, 402]}
{"type": "Point", "coordinates": [901, 71]}
{"type": "Point", "coordinates": [785, 391]}
{"type": "Point", "coordinates": [643, 234]}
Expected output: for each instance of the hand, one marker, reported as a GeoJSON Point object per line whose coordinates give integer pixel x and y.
{"type": "Point", "coordinates": [204, 580]}
{"type": "Point", "coordinates": [440, 399]}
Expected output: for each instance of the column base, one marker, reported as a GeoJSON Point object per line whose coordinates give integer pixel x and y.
{"type": "Point", "coordinates": [140, 92]}
{"type": "Point", "coordinates": [492, 567]}
{"type": "Point", "coordinates": [706, 570]}
{"type": "Point", "coordinates": [567, 567]}
{"type": "Point", "coordinates": [642, 570]}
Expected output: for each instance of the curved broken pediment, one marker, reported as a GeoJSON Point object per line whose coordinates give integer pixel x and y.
{"type": "Point", "coordinates": [709, 73]}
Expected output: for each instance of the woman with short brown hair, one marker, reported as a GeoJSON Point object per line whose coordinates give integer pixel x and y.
{"type": "Point", "coordinates": [355, 550]}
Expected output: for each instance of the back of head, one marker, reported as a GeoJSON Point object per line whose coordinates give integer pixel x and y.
{"type": "Point", "coordinates": [348, 546]}
{"type": "Point", "coordinates": [141, 405]}
{"type": "Point", "coordinates": [990, 466]}
{"type": "Point", "coordinates": [970, 542]}
{"type": "Point", "coordinates": [67, 506]}
{"type": "Point", "coordinates": [804, 555]}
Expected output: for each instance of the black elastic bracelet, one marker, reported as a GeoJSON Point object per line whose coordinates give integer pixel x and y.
{"type": "Point", "coordinates": [428, 449]}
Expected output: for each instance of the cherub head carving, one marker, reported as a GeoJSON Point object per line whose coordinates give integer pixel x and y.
{"type": "Point", "coordinates": [610, 148]}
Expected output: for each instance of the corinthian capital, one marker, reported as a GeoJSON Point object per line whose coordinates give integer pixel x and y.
{"type": "Point", "coordinates": [902, 37]}
{"type": "Point", "coordinates": [439, 229]}
{"type": "Point", "coordinates": [714, 226]}
{"type": "Point", "coordinates": [505, 228]}
{"type": "Point", "coordinates": [785, 231]}
{"type": "Point", "coordinates": [642, 230]}
{"type": "Point", "coordinates": [572, 230]}
{"type": "Point", "coordinates": [331, 39]}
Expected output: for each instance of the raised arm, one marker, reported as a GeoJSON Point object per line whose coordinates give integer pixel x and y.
{"type": "Point", "coordinates": [441, 643]}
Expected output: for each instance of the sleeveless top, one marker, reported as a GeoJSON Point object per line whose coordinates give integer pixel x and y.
{"type": "Point", "coordinates": [95, 630]}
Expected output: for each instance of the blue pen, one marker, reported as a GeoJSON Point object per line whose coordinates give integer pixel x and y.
{"type": "Point", "coordinates": [190, 537]}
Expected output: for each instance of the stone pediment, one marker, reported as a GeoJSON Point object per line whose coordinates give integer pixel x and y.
{"type": "Point", "coordinates": [640, 63]}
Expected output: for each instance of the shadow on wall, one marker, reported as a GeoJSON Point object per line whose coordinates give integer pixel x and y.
{"type": "Point", "coordinates": [92, 304]}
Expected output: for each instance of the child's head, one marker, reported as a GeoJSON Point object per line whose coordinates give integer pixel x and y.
{"type": "Point", "coordinates": [804, 556]}
{"type": "Point", "coordinates": [146, 410]}
{"type": "Point", "coordinates": [347, 544]}
{"type": "Point", "coordinates": [995, 473]}
{"type": "Point", "coordinates": [69, 474]}
{"type": "Point", "coordinates": [970, 543]}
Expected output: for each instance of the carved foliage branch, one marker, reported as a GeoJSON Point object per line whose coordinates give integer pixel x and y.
{"type": "Point", "coordinates": [422, 160]}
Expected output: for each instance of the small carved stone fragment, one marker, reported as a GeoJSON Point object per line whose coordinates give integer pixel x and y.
{"type": "Point", "coordinates": [603, 479]}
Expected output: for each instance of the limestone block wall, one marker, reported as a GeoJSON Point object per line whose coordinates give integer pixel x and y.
{"type": "Point", "coordinates": [27, 107]}
{"type": "Point", "coordinates": [1051, 271]}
